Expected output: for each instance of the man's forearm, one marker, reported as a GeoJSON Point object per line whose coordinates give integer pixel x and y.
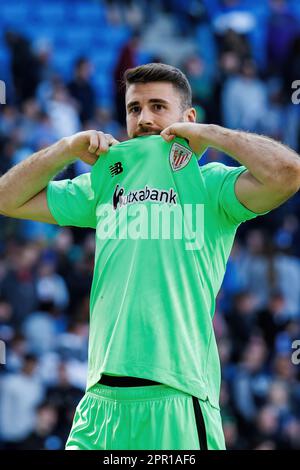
{"type": "Point", "coordinates": [28, 178]}
{"type": "Point", "coordinates": [270, 162]}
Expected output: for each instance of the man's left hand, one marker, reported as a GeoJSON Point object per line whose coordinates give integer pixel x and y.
{"type": "Point", "coordinates": [193, 132]}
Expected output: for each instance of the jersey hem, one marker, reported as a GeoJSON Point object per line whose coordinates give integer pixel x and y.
{"type": "Point", "coordinates": [191, 386]}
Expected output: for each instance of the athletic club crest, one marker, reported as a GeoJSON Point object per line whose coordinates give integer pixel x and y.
{"type": "Point", "coordinates": [179, 156]}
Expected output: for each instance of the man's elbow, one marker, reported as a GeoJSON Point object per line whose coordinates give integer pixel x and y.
{"type": "Point", "coordinates": [5, 212]}
{"type": "Point", "coordinates": [298, 176]}
{"type": "Point", "coordinates": [2, 209]}
{"type": "Point", "coordinates": [287, 181]}
{"type": "Point", "coordinates": [293, 181]}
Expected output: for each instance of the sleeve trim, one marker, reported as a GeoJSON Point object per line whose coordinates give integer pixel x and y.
{"type": "Point", "coordinates": [51, 206]}
{"type": "Point", "coordinates": [247, 211]}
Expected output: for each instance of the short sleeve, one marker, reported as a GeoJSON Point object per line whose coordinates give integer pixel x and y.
{"type": "Point", "coordinates": [73, 202]}
{"type": "Point", "coordinates": [221, 181]}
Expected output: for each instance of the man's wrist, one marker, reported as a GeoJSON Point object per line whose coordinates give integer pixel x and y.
{"type": "Point", "coordinates": [215, 136]}
{"type": "Point", "coordinates": [65, 151]}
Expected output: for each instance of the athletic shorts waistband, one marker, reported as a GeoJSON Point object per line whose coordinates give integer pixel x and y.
{"type": "Point", "coordinates": [135, 393]}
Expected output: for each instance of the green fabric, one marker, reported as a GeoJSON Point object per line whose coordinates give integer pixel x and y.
{"type": "Point", "coordinates": [152, 300]}
{"type": "Point", "coordinates": [154, 417]}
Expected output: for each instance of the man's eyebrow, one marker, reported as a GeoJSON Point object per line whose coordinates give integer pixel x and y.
{"type": "Point", "coordinates": [158, 100]}
{"type": "Point", "coordinates": [132, 103]}
{"type": "Point", "coordinates": [152, 100]}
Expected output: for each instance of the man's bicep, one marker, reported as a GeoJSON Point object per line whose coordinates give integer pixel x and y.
{"type": "Point", "coordinates": [35, 209]}
{"type": "Point", "coordinates": [255, 196]}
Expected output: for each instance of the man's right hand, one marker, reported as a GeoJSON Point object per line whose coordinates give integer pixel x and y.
{"type": "Point", "coordinates": [23, 188]}
{"type": "Point", "coordinates": [88, 145]}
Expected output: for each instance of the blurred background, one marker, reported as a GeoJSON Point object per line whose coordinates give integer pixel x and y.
{"type": "Point", "coordinates": [62, 62]}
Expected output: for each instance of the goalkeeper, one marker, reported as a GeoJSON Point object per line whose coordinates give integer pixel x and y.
{"type": "Point", "coordinates": [153, 367]}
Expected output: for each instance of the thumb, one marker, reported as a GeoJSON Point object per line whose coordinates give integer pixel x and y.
{"type": "Point", "coordinates": [113, 142]}
{"type": "Point", "coordinates": [168, 133]}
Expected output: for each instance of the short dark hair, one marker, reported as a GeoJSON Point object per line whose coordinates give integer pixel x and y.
{"type": "Point", "coordinates": [158, 72]}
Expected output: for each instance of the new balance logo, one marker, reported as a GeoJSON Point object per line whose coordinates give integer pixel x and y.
{"type": "Point", "coordinates": [116, 169]}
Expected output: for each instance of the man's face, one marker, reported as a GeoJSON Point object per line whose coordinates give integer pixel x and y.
{"type": "Point", "coordinates": [151, 107]}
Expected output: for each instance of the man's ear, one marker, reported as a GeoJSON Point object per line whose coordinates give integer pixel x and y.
{"type": "Point", "coordinates": [190, 115]}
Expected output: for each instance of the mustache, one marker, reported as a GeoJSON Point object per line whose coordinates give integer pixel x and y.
{"type": "Point", "coordinates": [143, 130]}
{"type": "Point", "coordinates": [149, 130]}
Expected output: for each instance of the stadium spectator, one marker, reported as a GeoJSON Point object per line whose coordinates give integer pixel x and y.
{"type": "Point", "coordinates": [82, 90]}
{"type": "Point", "coordinates": [24, 66]}
{"type": "Point", "coordinates": [20, 395]}
{"type": "Point", "coordinates": [63, 112]}
{"type": "Point", "coordinates": [19, 283]}
{"type": "Point", "coordinates": [244, 100]}
{"type": "Point", "coordinates": [281, 31]}
{"type": "Point", "coordinates": [127, 58]}
{"type": "Point", "coordinates": [39, 328]}
{"type": "Point", "coordinates": [43, 436]}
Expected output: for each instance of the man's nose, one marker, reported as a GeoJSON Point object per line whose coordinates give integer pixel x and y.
{"type": "Point", "coordinates": [145, 118]}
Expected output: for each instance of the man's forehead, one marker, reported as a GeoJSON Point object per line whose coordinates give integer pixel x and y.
{"type": "Point", "coordinates": [152, 91]}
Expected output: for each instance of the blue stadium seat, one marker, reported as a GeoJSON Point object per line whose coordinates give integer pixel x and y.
{"type": "Point", "coordinates": [295, 8]}
{"type": "Point", "coordinates": [39, 30]}
{"type": "Point", "coordinates": [257, 40]}
{"type": "Point", "coordinates": [117, 36]}
{"type": "Point", "coordinates": [253, 5]}
{"type": "Point", "coordinates": [50, 12]}
{"type": "Point", "coordinates": [103, 59]}
{"type": "Point", "coordinates": [206, 46]}
{"type": "Point", "coordinates": [15, 13]}
{"type": "Point", "coordinates": [62, 61]}
{"type": "Point", "coordinates": [101, 78]}
{"type": "Point", "coordinates": [4, 58]}
{"type": "Point", "coordinates": [99, 40]}
{"type": "Point", "coordinates": [87, 13]}
{"type": "Point", "coordinates": [103, 84]}
{"type": "Point", "coordinates": [77, 37]}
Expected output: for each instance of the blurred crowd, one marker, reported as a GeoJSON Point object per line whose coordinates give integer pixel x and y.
{"type": "Point", "coordinates": [241, 58]}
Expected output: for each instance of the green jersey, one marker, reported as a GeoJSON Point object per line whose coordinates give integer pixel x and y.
{"type": "Point", "coordinates": [164, 231]}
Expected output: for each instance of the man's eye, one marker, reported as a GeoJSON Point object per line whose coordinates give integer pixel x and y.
{"type": "Point", "coordinates": [134, 109]}
{"type": "Point", "coordinates": [158, 107]}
